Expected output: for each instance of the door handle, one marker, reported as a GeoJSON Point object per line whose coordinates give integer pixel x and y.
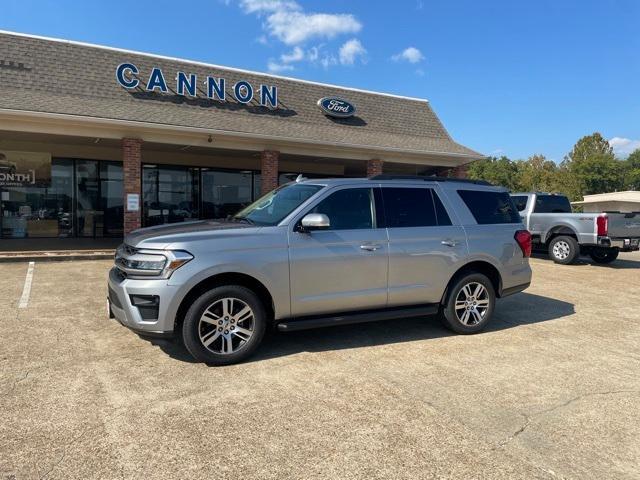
{"type": "Point", "coordinates": [369, 247]}
{"type": "Point", "coordinates": [449, 243]}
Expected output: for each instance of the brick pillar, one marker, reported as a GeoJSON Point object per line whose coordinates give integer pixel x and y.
{"type": "Point", "coordinates": [374, 167]}
{"type": "Point", "coordinates": [269, 177]}
{"type": "Point", "coordinates": [132, 166]}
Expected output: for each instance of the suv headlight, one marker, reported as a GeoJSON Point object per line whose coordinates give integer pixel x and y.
{"type": "Point", "coordinates": [149, 263]}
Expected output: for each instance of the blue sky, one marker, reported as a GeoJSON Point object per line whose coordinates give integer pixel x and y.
{"type": "Point", "coordinates": [506, 77]}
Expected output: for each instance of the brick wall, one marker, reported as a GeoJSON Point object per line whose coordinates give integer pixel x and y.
{"type": "Point", "coordinates": [269, 177]}
{"type": "Point", "coordinates": [374, 167]}
{"type": "Point", "coordinates": [132, 166]}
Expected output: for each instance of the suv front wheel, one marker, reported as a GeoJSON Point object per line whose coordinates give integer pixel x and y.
{"type": "Point", "coordinates": [470, 303]}
{"type": "Point", "coordinates": [224, 325]}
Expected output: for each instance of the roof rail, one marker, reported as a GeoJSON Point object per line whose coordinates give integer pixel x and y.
{"type": "Point", "coordinates": [426, 178]}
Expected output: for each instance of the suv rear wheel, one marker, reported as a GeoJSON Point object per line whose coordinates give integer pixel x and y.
{"type": "Point", "coordinates": [563, 249]}
{"type": "Point", "coordinates": [224, 325]}
{"type": "Point", "coordinates": [470, 303]}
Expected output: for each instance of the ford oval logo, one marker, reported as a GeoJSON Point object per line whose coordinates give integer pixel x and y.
{"type": "Point", "coordinates": [337, 107]}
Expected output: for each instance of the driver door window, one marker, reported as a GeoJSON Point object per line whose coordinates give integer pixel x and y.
{"type": "Point", "coordinates": [349, 209]}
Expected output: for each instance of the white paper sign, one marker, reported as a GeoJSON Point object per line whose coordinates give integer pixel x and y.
{"type": "Point", "coordinates": [133, 202]}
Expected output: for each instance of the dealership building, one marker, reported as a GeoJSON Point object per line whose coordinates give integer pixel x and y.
{"type": "Point", "coordinates": [97, 141]}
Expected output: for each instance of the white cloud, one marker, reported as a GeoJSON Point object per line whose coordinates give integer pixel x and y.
{"type": "Point", "coordinates": [268, 6]}
{"type": "Point", "coordinates": [288, 22]}
{"type": "Point", "coordinates": [296, 55]}
{"type": "Point", "coordinates": [622, 147]}
{"type": "Point", "coordinates": [278, 67]}
{"type": "Point", "coordinates": [294, 27]}
{"type": "Point", "coordinates": [350, 51]}
{"type": "Point", "coordinates": [410, 54]}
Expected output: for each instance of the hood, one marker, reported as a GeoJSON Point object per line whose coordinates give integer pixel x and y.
{"type": "Point", "coordinates": [161, 236]}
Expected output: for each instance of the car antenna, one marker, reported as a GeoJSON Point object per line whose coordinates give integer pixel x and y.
{"type": "Point", "coordinates": [300, 178]}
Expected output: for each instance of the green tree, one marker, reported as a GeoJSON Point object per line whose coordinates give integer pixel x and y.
{"type": "Point", "coordinates": [537, 174]}
{"type": "Point", "coordinates": [499, 171]}
{"type": "Point", "coordinates": [591, 168]}
{"type": "Point", "coordinates": [632, 171]}
{"type": "Point", "coordinates": [599, 174]}
{"type": "Point", "coordinates": [589, 146]}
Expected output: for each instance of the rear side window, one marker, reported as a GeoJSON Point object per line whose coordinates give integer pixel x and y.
{"type": "Point", "coordinates": [552, 204]}
{"type": "Point", "coordinates": [490, 207]}
{"type": "Point", "coordinates": [520, 201]}
{"type": "Point", "coordinates": [413, 207]}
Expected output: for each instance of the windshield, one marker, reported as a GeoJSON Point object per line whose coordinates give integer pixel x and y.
{"type": "Point", "coordinates": [270, 209]}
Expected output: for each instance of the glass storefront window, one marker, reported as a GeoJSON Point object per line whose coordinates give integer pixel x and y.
{"type": "Point", "coordinates": [89, 217]}
{"type": "Point", "coordinates": [175, 194]}
{"type": "Point", "coordinates": [84, 198]}
{"type": "Point", "coordinates": [225, 193]}
{"type": "Point", "coordinates": [112, 198]}
{"type": "Point", "coordinates": [40, 211]}
{"type": "Point", "coordinates": [169, 194]}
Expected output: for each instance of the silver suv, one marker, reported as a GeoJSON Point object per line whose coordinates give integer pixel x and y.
{"type": "Point", "coordinates": [318, 253]}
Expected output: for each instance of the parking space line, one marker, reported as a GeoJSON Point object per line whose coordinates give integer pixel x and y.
{"type": "Point", "coordinates": [26, 291]}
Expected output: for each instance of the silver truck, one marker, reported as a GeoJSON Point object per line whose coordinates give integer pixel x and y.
{"type": "Point", "coordinates": [318, 253]}
{"type": "Point", "coordinates": [566, 235]}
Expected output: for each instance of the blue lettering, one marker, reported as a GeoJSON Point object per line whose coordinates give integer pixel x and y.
{"type": "Point", "coordinates": [123, 70]}
{"type": "Point", "coordinates": [269, 94]}
{"type": "Point", "coordinates": [215, 88]}
{"type": "Point", "coordinates": [243, 91]}
{"type": "Point", "coordinates": [183, 82]}
{"type": "Point", "coordinates": [156, 80]}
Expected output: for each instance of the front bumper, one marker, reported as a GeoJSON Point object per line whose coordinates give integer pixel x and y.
{"type": "Point", "coordinates": [152, 323]}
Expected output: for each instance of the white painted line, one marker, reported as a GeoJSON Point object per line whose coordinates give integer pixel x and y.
{"type": "Point", "coordinates": [26, 291]}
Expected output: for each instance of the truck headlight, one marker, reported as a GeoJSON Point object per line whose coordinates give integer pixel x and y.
{"type": "Point", "coordinates": [150, 263]}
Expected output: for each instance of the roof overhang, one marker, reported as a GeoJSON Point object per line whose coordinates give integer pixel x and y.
{"type": "Point", "coordinates": [87, 126]}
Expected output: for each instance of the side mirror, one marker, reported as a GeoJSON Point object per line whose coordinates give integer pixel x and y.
{"type": "Point", "coordinates": [315, 221]}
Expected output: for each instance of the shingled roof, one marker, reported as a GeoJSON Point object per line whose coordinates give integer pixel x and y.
{"type": "Point", "coordinates": [63, 77]}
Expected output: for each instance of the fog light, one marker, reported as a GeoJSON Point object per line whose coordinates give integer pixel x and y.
{"type": "Point", "coordinates": [148, 305]}
{"type": "Point", "coordinates": [144, 300]}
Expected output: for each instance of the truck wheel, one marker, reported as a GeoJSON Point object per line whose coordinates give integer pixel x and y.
{"type": "Point", "coordinates": [224, 325]}
{"type": "Point", "coordinates": [470, 303]}
{"type": "Point", "coordinates": [604, 255]}
{"type": "Point", "coordinates": [563, 249]}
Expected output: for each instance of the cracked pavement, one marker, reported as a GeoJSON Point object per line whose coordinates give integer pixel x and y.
{"type": "Point", "coordinates": [550, 390]}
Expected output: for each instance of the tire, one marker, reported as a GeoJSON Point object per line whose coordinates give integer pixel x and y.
{"type": "Point", "coordinates": [465, 310]}
{"type": "Point", "coordinates": [224, 314]}
{"type": "Point", "coordinates": [563, 249]}
{"type": "Point", "coordinates": [604, 255]}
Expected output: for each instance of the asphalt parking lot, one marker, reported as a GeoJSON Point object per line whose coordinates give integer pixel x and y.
{"type": "Point", "coordinates": [551, 390]}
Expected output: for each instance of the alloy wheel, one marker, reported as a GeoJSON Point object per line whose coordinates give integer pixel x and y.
{"type": "Point", "coordinates": [561, 250]}
{"type": "Point", "coordinates": [472, 303]}
{"type": "Point", "coordinates": [226, 326]}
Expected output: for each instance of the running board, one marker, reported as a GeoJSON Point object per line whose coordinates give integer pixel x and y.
{"type": "Point", "coordinates": [305, 323]}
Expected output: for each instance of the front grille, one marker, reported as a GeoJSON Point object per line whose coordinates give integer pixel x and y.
{"type": "Point", "coordinates": [113, 298]}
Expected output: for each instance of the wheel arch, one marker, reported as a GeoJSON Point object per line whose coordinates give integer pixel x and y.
{"type": "Point", "coordinates": [477, 266]}
{"type": "Point", "coordinates": [558, 230]}
{"type": "Point", "coordinates": [220, 279]}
